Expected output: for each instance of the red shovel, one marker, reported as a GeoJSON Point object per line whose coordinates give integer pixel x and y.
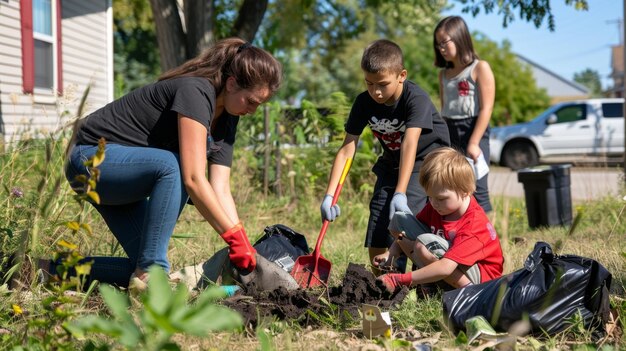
{"type": "Point", "coordinates": [313, 270]}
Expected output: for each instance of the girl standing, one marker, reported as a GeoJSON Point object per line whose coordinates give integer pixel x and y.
{"type": "Point", "coordinates": [467, 91]}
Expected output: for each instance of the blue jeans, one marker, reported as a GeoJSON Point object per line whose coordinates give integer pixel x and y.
{"type": "Point", "coordinates": [141, 197]}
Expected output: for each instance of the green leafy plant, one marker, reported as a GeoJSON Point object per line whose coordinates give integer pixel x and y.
{"type": "Point", "coordinates": [164, 314]}
{"type": "Point", "coordinates": [332, 316]}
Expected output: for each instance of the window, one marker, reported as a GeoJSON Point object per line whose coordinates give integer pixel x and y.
{"type": "Point", "coordinates": [613, 110]}
{"type": "Point", "coordinates": [44, 44]}
{"type": "Point", "coordinates": [41, 45]}
{"type": "Point", "coordinates": [571, 113]}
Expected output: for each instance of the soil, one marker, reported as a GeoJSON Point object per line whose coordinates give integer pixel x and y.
{"type": "Point", "coordinates": [359, 286]}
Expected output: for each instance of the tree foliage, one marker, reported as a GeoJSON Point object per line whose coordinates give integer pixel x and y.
{"type": "Point", "coordinates": [535, 11]}
{"type": "Point", "coordinates": [322, 25]}
{"type": "Point", "coordinates": [136, 61]}
{"type": "Point", "coordinates": [320, 42]}
{"type": "Point", "coordinates": [518, 98]}
{"type": "Point", "coordinates": [591, 79]}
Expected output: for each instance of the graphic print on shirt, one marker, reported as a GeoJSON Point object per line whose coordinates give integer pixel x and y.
{"type": "Point", "coordinates": [388, 131]}
{"type": "Point", "coordinates": [439, 232]}
{"type": "Point", "coordinates": [463, 88]}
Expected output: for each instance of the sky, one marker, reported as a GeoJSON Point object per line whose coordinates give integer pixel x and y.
{"type": "Point", "coordinates": [581, 39]}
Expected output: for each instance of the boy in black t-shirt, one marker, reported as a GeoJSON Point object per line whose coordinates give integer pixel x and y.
{"type": "Point", "coordinates": [408, 126]}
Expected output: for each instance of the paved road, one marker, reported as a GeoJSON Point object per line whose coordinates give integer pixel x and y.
{"type": "Point", "coordinates": [587, 183]}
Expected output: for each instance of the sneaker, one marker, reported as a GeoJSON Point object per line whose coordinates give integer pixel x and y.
{"type": "Point", "coordinates": [137, 285]}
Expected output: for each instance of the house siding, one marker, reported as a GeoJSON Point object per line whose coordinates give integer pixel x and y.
{"type": "Point", "coordinates": [85, 51]}
{"type": "Point", "coordinates": [558, 88]}
{"type": "Point", "coordinates": [84, 48]}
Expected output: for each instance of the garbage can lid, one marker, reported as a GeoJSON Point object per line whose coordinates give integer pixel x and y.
{"type": "Point", "coordinates": [535, 169]}
{"type": "Point", "coordinates": [545, 168]}
{"type": "Point", "coordinates": [550, 173]}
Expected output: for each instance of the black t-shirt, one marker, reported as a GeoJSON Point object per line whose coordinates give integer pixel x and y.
{"type": "Point", "coordinates": [389, 123]}
{"type": "Point", "coordinates": [148, 116]}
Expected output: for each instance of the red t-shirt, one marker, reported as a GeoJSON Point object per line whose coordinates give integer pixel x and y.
{"type": "Point", "coordinates": [472, 238]}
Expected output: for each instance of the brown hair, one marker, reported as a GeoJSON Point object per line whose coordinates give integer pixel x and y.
{"type": "Point", "coordinates": [448, 168]}
{"type": "Point", "coordinates": [233, 57]}
{"type": "Point", "coordinates": [456, 28]}
{"type": "Point", "coordinates": [382, 56]}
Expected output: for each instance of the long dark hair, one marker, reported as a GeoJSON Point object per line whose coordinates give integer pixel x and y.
{"type": "Point", "coordinates": [456, 28]}
{"type": "Point", "coordinates": [233, 57]}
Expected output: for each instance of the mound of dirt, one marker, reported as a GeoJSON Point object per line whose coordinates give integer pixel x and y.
{"type": "Point", "coordinates": [358, 287]}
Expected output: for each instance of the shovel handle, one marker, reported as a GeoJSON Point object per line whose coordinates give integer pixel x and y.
{"type": "Point", "coordinates": [344, 174]}
{"type": "Point", "coordinates": [320, 237]}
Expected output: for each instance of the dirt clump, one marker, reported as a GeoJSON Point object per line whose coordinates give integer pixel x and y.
{"type": "Point", "coordinates": [359, 286]}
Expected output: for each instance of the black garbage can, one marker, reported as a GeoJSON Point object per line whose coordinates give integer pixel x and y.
{"type": "Point", "coordinates": [548, 195]}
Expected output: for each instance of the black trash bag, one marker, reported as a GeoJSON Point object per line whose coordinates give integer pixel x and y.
{"type": "Point", "coordinates": [548, 291]}
{"type": "Point", "coordinates": [281, 245]}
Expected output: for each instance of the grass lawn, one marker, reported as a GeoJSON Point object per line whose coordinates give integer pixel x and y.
{"type": "Point", "coordinates": [39, 216]}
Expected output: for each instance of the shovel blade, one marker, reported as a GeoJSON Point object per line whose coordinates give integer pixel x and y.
{"type": "Point", "coordinates": [307, 275]}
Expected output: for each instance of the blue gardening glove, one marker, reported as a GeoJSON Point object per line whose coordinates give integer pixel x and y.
{"type": "Point", "coordinates": [398, 204]}
{"type": "Point", "coordinates": [329, 212]}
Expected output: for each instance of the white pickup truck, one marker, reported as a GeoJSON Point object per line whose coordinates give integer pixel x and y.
{"type": "Point", "coordinates": [568, 132]}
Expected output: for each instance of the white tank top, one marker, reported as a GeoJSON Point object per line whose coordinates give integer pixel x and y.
{"type": "Point", "coordinates": [460, 94]}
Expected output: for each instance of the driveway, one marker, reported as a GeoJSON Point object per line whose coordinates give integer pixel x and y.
{"type": "Point", "coordinates": [587, 183]}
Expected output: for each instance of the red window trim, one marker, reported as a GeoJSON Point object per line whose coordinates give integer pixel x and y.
{"type": "Point", "coordinates": [28, 47]}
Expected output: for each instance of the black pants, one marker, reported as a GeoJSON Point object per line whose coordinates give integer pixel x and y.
{"type": "Point", "coordinates": [378, 235]}
{"type": "Point", "coordinates": [460, 133]}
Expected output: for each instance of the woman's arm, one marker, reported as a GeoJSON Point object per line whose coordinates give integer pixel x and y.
{"type": "Point", "coordinates": [487, 87]}
{"type": "Point", "coordinates": [192, 136]}
{"type": "Point", "coordinates": [219, 178]}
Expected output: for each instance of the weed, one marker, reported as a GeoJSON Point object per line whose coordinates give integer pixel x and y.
{"type": "Point", "coordinates": [332, 316]}
{"type": "Point", "coordinates": [164, 313]}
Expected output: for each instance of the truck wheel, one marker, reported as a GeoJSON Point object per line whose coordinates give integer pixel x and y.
{"type": "Point", "coordinates": [519, 154]}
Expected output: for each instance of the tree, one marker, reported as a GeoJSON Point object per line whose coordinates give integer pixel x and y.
{"type": "Point", "coordinates": [203, 23]}
{"type": "Point", "coordinates": [136, 63]}
{"type": "Point", "coordinates": [591, 79]}
{"type": "Point", "coordinates": [322, 24]}
{"type": "Point", "coordinates": [529, 10]}
{"type": "Point", "coordinates": [518, 99]}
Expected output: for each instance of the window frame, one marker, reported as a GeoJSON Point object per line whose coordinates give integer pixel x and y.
{"type": "Point", "coordinates": [50, 39]}
{"type": "Point", "coordinates": [609, 107]}
{"type": "Point", "coordinates": [581, 107]}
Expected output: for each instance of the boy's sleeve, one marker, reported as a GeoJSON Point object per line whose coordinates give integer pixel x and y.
{"type": "Point", "coordinates": [357, 120]}
{"type": "Point", "coordinates": [420, 112]}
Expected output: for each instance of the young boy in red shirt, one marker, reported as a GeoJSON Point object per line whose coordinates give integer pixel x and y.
{"type": "Point", "coordinates": [451, 239]}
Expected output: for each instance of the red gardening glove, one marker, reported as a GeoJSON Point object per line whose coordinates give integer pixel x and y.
{"type": "Point", "coordinates": [392, 281]}
{"type": "Point", "coordinates": [241, 252]}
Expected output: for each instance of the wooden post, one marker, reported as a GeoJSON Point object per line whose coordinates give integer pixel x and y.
{"type": "Point", "coordinates": [267, 151]}
{"type": "Point", "coordinates": [624, 79]}
{"type": "Point", "coordinates": [278, 186]}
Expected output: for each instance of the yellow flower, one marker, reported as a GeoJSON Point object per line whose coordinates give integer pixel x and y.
{"type": "Point", "coordinates": [17, 309]}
